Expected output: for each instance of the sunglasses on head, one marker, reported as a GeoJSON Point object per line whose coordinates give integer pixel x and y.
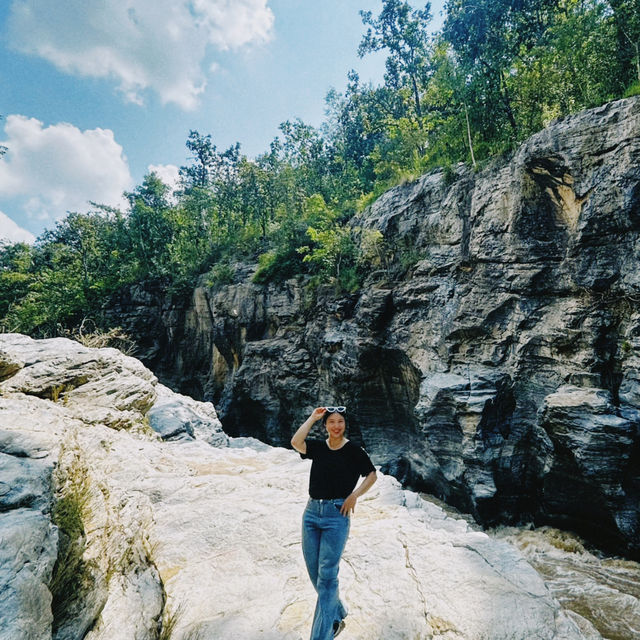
{"type": "Point", "coordinates": [336, 409]}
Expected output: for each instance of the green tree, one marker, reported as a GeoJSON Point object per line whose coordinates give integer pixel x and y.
{"type": "Point", "coordinates": [358, 122]}
{"type": "Point", "coordinates": [204, 161]}
{"type": "Point", "coordinates": [627, 20]}
{"type": "Point", "coordinates": [150, 229]}
{"type": "Point", "coordinates": [16, 264]}
{"type": "Point", "coordinates": [402, 31]}
{"type": "Point", "coordinates": [452, 123]}
{"type": "Point", "coordinates": [488, 36]}
{"type": "Point", "coordinates": [573, 68]}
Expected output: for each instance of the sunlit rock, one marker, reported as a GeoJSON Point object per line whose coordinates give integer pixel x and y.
{"type": "Point", "coordinates": [206, 539]}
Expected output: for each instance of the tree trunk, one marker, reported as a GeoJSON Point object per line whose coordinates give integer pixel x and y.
{"type": "Point", "coordinates": [416, 97]}
{"type": "Point", "coordinates": [466, 115]}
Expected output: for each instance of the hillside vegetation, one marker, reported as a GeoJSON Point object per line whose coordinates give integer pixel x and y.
{"type": "Point", "coordinates": [498, 71]}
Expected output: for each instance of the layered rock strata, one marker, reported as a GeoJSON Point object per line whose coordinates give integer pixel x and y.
{"type": "Point", "coordinates": [492, 357]}
{"type": "Point", "coordinates": [192, 538]}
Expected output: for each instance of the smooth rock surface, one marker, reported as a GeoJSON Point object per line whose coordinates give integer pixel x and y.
{"type": "Point", "coordinates": [208, 539]}
{"type": "Point", "coordinates": [28, 547]}
{"type": "Point", "coordinates": [178, 417]}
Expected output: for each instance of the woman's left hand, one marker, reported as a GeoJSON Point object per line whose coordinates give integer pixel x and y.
{"type": "Point", "coordinates": [349, 505]}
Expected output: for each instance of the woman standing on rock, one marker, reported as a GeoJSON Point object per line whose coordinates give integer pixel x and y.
{"type": "Point", "coordinates": [336, 465]}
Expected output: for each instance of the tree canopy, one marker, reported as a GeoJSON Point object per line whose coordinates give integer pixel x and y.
{"type": "Point", "coordinates": [497, 72]}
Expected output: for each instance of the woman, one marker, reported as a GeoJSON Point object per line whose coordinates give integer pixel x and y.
{"type": "Point", "coordinates": [336, 466]}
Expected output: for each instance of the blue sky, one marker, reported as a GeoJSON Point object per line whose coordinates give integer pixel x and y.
{"type": "Point", "coordinates": [94, 94]}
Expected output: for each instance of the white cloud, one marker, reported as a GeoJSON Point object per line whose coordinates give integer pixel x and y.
{"type": "Point", "coordinates": [12, 232]}
{"type": "Point", "coordinates": [144, 44]}
{"type": "Point", "coordinates": [168, 173]}
{"type": "Point", "coordinates": [55, 169]}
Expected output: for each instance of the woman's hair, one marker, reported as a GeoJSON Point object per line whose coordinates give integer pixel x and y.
{"type": "Point", "coordinates": [325, 417]}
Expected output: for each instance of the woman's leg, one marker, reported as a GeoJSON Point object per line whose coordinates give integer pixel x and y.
{"type": "Point", "coordinates": [311, 533]}
{"type": "Point", "coordinates": [329, 609]}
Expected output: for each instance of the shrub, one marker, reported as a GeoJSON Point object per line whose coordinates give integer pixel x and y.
{"type": "Point", "coordinates": [220, 274]}
{"type": "Point", "coordinates": [633, 90]}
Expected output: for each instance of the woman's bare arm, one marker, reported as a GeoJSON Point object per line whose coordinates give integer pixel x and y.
{"type": "Point", "coordinates": [299, 437]}
{"type": "Point", "coordinates": [349, 505]}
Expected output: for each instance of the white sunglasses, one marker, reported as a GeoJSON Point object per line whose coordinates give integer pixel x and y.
{"type": "Point", "coordinates": [336, 409]}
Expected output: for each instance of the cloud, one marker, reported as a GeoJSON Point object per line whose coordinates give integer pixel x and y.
{"type": "Point", "coordinates": [55, 169]}
{"type": "Point", "coordinates": [143, 44]}
{"type": "Point", "coordinates": [10, 231]}
{"type": "Point", "coordinates": [168, 173]}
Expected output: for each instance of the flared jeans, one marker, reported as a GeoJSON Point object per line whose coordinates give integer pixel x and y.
{"type": "Point", "coordinates": [324, 534]}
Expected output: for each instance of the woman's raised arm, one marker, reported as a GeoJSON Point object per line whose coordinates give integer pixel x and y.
{"type": "Point", "coordinates": [299, 437]}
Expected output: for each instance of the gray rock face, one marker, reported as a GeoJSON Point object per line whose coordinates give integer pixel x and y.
{"type": "Point", "coordinates": [177, 417]}
{"type": "Point", "coordinates": [589, 462]}
{"type": "Point", "coordinates": [27, 556]}
{"type": "Point", "coordinates": [54, 390]}
{"type": "Point", "coordinates": [525, 279]}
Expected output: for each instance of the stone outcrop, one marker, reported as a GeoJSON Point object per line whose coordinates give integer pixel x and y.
{"type": "Point", "coordinates": [192, 538]}
{"type": "Point", "coordinates": [491, 358]}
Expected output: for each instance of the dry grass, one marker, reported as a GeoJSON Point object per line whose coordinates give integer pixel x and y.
{"type": "Point", "coordinates": [114, 337]}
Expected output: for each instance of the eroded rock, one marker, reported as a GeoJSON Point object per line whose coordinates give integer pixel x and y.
{"type": "Point", "coordinates": [590, 462]}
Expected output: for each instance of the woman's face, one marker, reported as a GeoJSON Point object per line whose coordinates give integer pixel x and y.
{"type": "Point", "coordinates": [335, 425]}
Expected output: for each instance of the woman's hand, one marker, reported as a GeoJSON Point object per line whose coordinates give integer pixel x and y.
{"type": "Point", "coordinates": [349, 505]}
{"type": "Point", "coordinates": [318, 412]}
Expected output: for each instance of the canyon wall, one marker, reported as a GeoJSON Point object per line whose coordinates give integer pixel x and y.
{"type": "Point", "coordinates": [492, 358]}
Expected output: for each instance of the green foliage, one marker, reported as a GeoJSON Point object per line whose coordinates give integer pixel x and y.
{"type": "Point", "coordinates": [290, 237]}
{"type": "Point", "coordinates": [571, 69]}
{"type": "Point", "coordinates": [626, 18]}
{"type": "Point", "coordinates": [499, 71]}
{"type": "Point", "coordinates": [330, 249]}
{"type": "Point", "coordinates": [402, 32]}
{"type": "Point", "coordinates": [633, 90]}
{"type": "Point", "coordinates": [16, 261]}
{"type": "Point", "coordinates": [366, 200]}
{"type": "Point", "coordinates": [277, 266]}
{"type": "Point", "coordinates": [526, 63]}
{"type": "Point", "coordinates": [220, 274]}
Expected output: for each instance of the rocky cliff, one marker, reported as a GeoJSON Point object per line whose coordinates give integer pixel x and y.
{"type": "Point", "coordinates": [109, 532]}
{"type": "Point", "coordinates": [492, 359]}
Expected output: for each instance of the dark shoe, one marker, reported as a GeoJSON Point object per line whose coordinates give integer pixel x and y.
{"type": "Point", "coordinates": [338, 626]}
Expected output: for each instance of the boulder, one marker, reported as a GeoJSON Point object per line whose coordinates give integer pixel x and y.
{"type": "Point", "coordinates": [178, 417]}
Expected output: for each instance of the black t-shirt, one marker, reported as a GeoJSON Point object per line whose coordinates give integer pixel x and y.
{"type": "Point", "coordinates": [335, 473]}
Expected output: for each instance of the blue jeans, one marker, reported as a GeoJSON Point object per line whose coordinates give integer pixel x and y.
{"type": "Point", "coordinates": [324, 534]}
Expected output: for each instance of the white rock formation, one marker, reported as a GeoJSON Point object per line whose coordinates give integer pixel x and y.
{"type": "Point", "coordinates": [206, 539]}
